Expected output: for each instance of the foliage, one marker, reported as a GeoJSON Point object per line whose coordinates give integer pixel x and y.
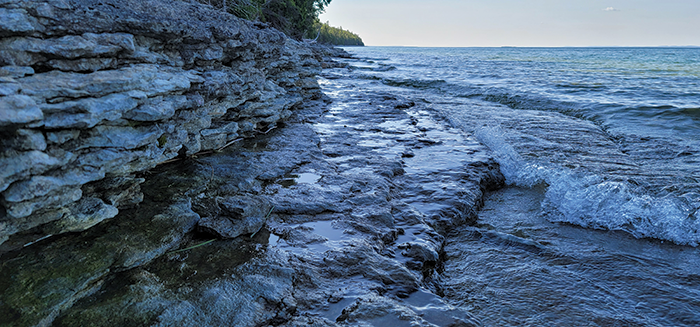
{"type": "Point", "coordinates": [335, 35]}
{"type": "Point", "coordinates": [293, 17]}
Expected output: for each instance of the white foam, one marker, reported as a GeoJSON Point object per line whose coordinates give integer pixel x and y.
{"type": "Point", "coordinates": [589, 200]}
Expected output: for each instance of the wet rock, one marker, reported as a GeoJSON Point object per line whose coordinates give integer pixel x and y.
{"type": "Point", "coordinates": [225, 282]}
{"type": "Point", "coordinates": [375, 310]}
{"type": "Point", "coordinates": [351, 246]}
{"type": "Point", "coordinates": [239, 215]}
{"type": "Point", "coordinates": [115, 92]}
{"type": "Point", "coordinates": [61, 137]}
{"type": "Point", "coordinates": [40, 282]}
{"type": "Point", "coordinates": [157, 108]}
{"type": "Point", "coordinates": [379, 310]}
{"type": "Point", "coordinates": [425, 253]}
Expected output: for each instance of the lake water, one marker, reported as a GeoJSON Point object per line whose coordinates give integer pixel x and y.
{"type": "Point", "coordinates": [600, 147]}
{"type": "Point", "coordinates": [613, 132]}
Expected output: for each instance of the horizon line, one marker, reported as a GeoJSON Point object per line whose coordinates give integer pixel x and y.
{"type": "Point", "coordinates": [537, 46]}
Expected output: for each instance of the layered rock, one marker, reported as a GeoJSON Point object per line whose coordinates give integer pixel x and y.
{"type": "Point", "coordinates": [93, 92]}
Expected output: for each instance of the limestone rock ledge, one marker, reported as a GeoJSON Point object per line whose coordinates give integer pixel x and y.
{"type": "Point", "coordinates": [94, 91]}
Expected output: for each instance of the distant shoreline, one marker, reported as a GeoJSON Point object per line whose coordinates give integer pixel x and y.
{"type": "Point", "coordinates": [528, 47]}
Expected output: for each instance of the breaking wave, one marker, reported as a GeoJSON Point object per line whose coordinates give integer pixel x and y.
{"type": "Point", "coordinates": [592, 201]}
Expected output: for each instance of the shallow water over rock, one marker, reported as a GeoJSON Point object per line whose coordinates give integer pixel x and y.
{"type": "Point", "coordinates": [517, 268]}
{"type": "Point", "coordinates": [370, 210]}
{"type": "Point", "coordinates": [335, 218]}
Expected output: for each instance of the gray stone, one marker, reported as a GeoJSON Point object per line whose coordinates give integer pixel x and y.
{"type": "Point", "coordinates": [121, 161]}
{"type": "Point", "coordinates": [240, 302]}
{"type": "Point", "coordinates": [421, 251]}
{"type": "Point", "coordinates": [149, 79]}
{"type": "Point", "coordinates": [50, 201]}
{"type": "Point", "coordinates": [121, 86]}
{"type": "Point", "coordinates": [125, 193]}
{"type": "Point", "coordinates": [194, 120]}
{"type": "Point", "coordinates": [157, 108]}
{"type": "Point", "coordinates": [60, 137]}
{"type": "Point", "coordinates": [9, 87]}
{"type": "Point", "coordinates": [52, 278]}
{"type": "Point", "coordinates": [213, 141]}
{"type": "Point", "coordinates": [88, 112]}
{"type": "Point", "coordinates": [16, 71]}
{"type": "Point", "coordinates": [28, 51]}
{"type": "Point", "coordinates": [336, 255]}
{"type": "Point", "coordinates": [24, 140]}
{"type": "Point", "coordinates": [18, 109]}
{"type": "Point", "coordinates": [23, 165]}
{"type": "Point", "coordinates": [42, 185]}
{"type": "Point", "coordinates": [121, 137]}
{"type": "Point", "coordinates": [239, 216]}
{"type": "Point", "coordinates": [31, 188]}
{"type": "Point", "coordinates": [228, 129]}
{"type": "Point", "coordinates": [17, 21]}
{"type": "Point", "coordinates": [83, 65]}
{"type": "Point", "coordinates": [84, 214]}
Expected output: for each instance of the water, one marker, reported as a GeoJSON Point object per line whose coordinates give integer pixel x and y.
{"type": "Point", "coordinates": [613, 132]}
{"type": "Point", "coordinates": [599, 225]}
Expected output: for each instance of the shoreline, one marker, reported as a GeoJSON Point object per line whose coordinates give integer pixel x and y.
{"type": "Point", "coordinates": [337, 216]}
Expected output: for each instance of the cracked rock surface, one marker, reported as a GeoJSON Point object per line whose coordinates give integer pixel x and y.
{"type": "Point", "coordinates": [338, 217]}
{"type": "Point", "coordinates": [161, 168]}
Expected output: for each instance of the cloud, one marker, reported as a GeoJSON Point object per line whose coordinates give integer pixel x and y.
{"type": "Point", "coordinates": [611, 9]}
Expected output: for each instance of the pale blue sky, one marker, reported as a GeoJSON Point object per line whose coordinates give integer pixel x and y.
{"type": "Point", "coordinates": [519, 22]}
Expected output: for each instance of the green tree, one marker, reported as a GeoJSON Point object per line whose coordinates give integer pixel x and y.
{"type": "Point", "coordinates": [335, 35]}
{"type": "Point", "coordinates": [293, 17]}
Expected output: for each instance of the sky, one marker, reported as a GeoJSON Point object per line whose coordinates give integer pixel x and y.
{"type": "Point", "coordinates": [542, 23]}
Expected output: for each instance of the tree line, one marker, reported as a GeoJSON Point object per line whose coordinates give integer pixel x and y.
{"type": "Point", "coordinates": [335, 35]}
{"type": "Point", "coordinates": [296, 18]}
{"type": "Point", "coordinates": [293, 17]}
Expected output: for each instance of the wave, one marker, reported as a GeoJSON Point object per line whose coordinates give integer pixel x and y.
{"type": "Point", "coordinates": [416, 83]}
{"type": "Point", "coordinates": [664, 118]}
{"type": "Point", "coordinates": [381, 68]}
{"type": "Point", "coordinates": [592, 201]}
{"type": "Point", "coordinates": [598, 109]}
{"type": "Point", "coordinates": [693, 112]}
{"type": "Point", "coordinates": [409, 82]}
{"type": "Point", "coordinates": [534, 102]}
{"type": "Point", "coordinates": [581, 86]}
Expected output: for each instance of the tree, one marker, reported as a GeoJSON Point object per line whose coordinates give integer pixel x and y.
{"type": "Point", "coordinates": [293, 17]}
{"type": "Point", "coordinates": [336, 35]}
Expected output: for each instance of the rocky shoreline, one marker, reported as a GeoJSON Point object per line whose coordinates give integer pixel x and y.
{"type": "Point", "coordinates": [336, 217]}
{"type": "Point", "coordinates": [94, 92]}
{"type": "Point", "coordinates": [228, 190]}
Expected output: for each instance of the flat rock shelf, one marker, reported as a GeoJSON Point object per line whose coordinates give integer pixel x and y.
{"type": "Point", "coordinates": [337, 217]}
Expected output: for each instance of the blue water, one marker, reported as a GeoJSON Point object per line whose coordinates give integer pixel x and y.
{"type": "Point", "coordinates": [611, 134]}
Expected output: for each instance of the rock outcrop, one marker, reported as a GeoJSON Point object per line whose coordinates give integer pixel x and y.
{"type": "Point", "coordinates": [167, 164]}
{"type": "Point", "coordinates": [94, 92]}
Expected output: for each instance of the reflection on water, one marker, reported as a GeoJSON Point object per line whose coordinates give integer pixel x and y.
{"type": "Point", "coordinates": [303, 178]}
